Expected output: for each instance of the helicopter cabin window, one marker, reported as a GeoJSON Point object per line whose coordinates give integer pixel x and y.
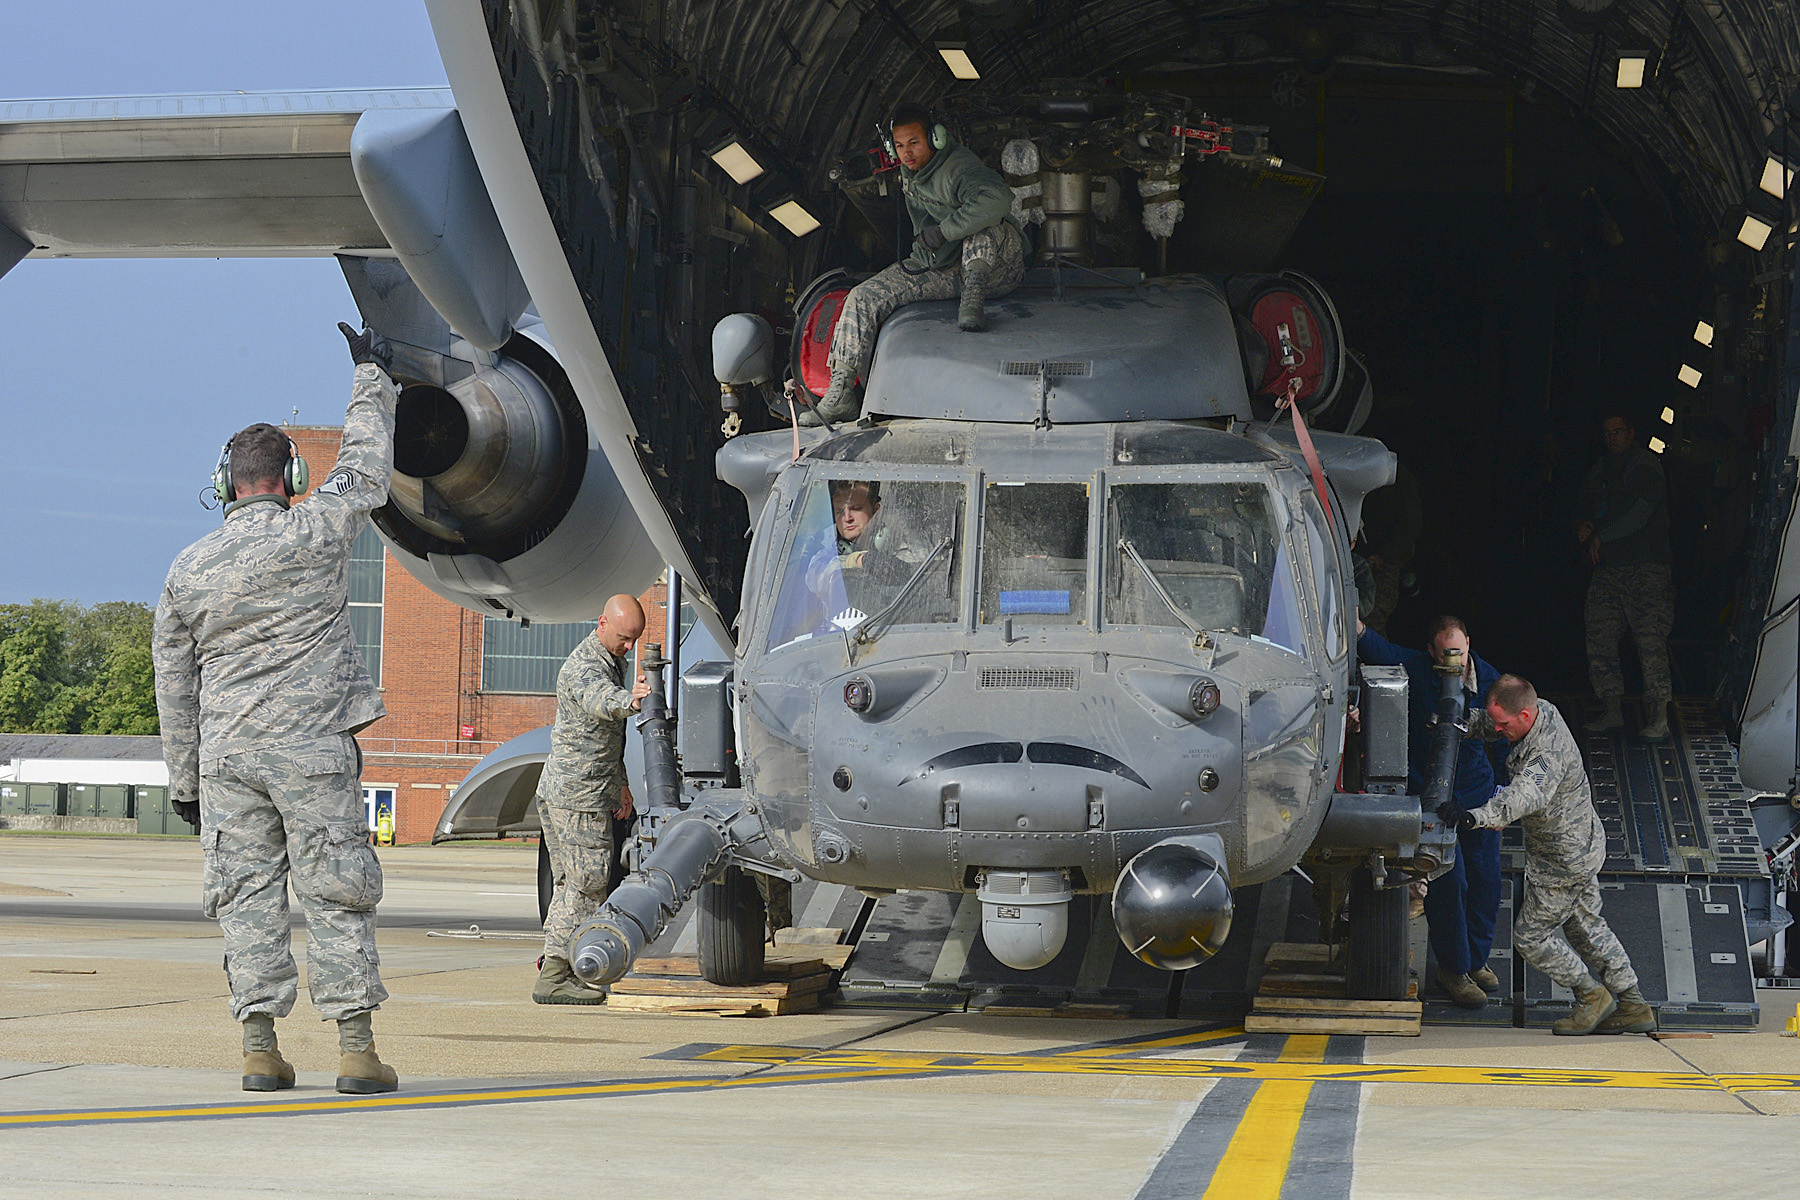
{"type": "Point", "coordinates": [1034, 553]}
{"type": "Point", "coordinates": [1210, 550]}
{"type": "Point", "coordinates": [1325, 580]}
{"type": "Point", "coordinates": [862, 548]}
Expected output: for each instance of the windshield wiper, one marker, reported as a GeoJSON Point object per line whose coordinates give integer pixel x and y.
{"type": "Point", "coordinates": [1202, 639]}
{"type": "Point", "coordinates": [863, 635]}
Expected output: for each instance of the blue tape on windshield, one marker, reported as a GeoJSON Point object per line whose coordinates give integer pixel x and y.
{"type": "Point", "coordinates": [1033, 602]}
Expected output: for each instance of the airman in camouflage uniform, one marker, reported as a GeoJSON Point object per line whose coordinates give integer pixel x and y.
{"type": "Point", "coordinates": [967, 244]}
{"type": "Point", "coordinates": [583, 788]}
{"type": "Point", "coordinates": [1624, 526]}
{"type": "Point", "coordinates": [1559, 929]}
{"type": "Point", "coordinates": [260, 687]}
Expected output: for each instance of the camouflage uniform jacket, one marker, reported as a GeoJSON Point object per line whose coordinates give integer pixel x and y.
{"type": "Point", "coordinates": [1548, 796]}
{"type": "Point", "coordinates": [586, 769]}
{"type": "Point", "coordinates": [959, 194]}
{"type": "Point", "coordinates": [252, 642]}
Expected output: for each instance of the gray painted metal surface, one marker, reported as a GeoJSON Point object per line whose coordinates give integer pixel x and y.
{"type": "Point", "coordinates": [1165, 350]}
{"type": "Point", "coordinates": [260, 174]}
{"type": "Point", "coordinates": [419, 177]}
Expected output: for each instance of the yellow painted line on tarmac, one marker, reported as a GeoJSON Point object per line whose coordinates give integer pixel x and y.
{"type": "Point", "coordinates": [1255, 1163]}
{"type": "Point", "coordinates": [1263, 1072]}
{"type": "Point", "coordinates": [1173, 1042]}
{"type": "Point", "coordinates": [403, 1102]}
{"type": "Point", "coordinates": [777, 1055]}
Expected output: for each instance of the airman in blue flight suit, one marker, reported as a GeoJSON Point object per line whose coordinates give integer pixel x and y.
{"type": "Point", "coordinates": [1462, 904]}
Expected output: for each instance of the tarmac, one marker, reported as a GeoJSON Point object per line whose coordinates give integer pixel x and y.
{"type": "Point", "coordinates": [119, 1076]}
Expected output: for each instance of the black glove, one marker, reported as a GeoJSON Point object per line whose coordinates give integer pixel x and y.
{"type": "Point", "coordinates": [187, 810]}
{"type": "Point", "coordinates": [1465, 821]}
{"type": "Point", "coordinates": [933, 237]}
{"type": "Point", "coordinates": [368, 346]}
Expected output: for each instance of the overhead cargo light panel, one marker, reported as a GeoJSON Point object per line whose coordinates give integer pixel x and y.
{"type": "Point", "coordinates": [736, 161]}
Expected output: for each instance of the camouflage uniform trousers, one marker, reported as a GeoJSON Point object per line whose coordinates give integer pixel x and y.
{"type": "Point", "coordinates": [293, 812]}
{"type": "Point", "coordinates": [1560, 932]}
{"type": "Point", "coordinates": [875, 299]}
{"type": "Point", "coordinates": [1635, 596]}
{"type": "Point", "coordinates": [580, 844]}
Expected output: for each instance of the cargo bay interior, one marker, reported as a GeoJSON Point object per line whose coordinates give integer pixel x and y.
{"type": "Point", "coordinates": [1527, 212]}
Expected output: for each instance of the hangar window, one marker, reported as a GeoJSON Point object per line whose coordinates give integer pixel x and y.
{"type": "Point", "coordinates": [368, 564]}
{"type": "Point", "coordinates": [862, 548]}
{"type": "Point", "coordinates": [521, 658]}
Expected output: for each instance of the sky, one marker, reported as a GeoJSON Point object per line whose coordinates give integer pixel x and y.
{"type": "Point", "coordinates": [122, 378]}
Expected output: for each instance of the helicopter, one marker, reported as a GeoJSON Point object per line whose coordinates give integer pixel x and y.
{"type": "Point", "coordinates": [1068, 611]}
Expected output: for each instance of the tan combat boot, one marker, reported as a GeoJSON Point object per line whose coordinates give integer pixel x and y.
{"type": "Point", "coordinates": [1632, 1016]}
{"type": "Point", "coordinates": [1465, 992]}
{"type": "Point", "coordinates": [264, 1068]}
{"type": "Point", "coordinates": [360, 1071]}
{"type": "Point", "coordinates": [557, 984]}
{"type": "Point", "coordinates": [1610, 716]}
{"type": "Point", "coordinates": [267, 1071]}
{"type": "Point", "coordinates": [1485, 979]}
{"type": "Point", "coordinates": [837, 405]}
{"type": "Point", "coordinates": [1593, 1004]}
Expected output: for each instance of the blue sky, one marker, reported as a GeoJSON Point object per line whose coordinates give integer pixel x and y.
{"type": "Point", "coordinates": [122, 378]}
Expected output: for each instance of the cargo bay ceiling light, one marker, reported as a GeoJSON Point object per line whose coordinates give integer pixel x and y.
{"type": "Point", "coordinates": [1688, 375]}
{"type": "Point", "coordinates": [1777, 177]}
{"type": "Point", "coordinates": [1703, 333]}
{"type": "Point", "coordinates": [956, 57]}
{"type": "Point", "coordinates": [1634, 65]}
{"type": "Point", "coordinates": [1668, 416]}
{"type": "Point", "coordinates": [1657, 445]}
{"type": "Point", "coordinates": [1755, 231]}
{"type": "Point", "coordinates": [735, 161]}
{"type": "Point", "coordinates": [793, 216]}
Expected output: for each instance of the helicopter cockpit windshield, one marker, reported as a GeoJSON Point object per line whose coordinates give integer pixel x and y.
{"type": "Point", "coordinates": [856, 545]}
{"type": "Point", "coordinates": [1213, 549]}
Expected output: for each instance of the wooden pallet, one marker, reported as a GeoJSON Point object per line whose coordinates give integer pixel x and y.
{"type": "Point", "coordinates": [1302, 991]}
{"type": "Point", "coordinates": [790, 984]}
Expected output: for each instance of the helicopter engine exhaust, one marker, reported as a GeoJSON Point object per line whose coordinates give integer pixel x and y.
{"type": "Point", "coordinates": [1024, 914]}
{"type": "Point", "coordinates": [1172, 905]}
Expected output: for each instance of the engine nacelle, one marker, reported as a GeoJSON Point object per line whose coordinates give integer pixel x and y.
{"type": "Point", "coordinates": [500, 501]}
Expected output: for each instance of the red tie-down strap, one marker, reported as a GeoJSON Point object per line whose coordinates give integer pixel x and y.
{"type": "Point", "coordinates": [1306, 443]}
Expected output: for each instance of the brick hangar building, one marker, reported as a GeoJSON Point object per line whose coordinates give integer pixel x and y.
{"type": "Point", "coordinates": [456, 684]}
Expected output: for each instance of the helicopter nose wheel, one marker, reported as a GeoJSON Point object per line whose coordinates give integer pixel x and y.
{"type": "Point", "coordinates": [729, 929]}
{"type": "Point", "coordinates": [1375, 962]}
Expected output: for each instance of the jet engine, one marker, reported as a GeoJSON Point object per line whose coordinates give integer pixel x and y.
{"type": "Point", "coordinates": [500, 502]}
{"type": "Point", "coordinates": [1172, 905]}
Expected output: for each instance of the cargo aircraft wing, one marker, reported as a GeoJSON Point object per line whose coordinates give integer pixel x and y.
{"type": "Point", "coordinates": [384, 181]}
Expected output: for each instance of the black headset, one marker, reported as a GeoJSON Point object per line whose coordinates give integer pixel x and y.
{"type": "Point", "coordinates": [935, 129]}
{"type": "Point", "coordinates": [294, 475]}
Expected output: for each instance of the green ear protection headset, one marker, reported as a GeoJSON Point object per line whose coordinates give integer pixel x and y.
{"type": "Point", "coordinates": [294, 476]}
{"type": "Point", "coordinates": [934, 129]}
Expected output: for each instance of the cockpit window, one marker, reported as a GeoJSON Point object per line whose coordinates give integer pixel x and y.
{"type": "Point", "coordinates": [1214, 549]}
{"type": "Point", "coordinates": [857, 544]}
{"type": "Point", "coordinates": [1034, 553]}
{"type": "Point", "coordinates": [1324, 563]}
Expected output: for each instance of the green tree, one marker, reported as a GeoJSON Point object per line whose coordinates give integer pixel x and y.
{"type": "Point", "coordinates": [34, 667]}
{"type": "Point", "coordinates": [69, 669]}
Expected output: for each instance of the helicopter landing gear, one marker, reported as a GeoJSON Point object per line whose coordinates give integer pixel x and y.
{"type": "Point", "coordinates": [1375, 960]}
{"type": "Point", "coordinates": [730, 929]}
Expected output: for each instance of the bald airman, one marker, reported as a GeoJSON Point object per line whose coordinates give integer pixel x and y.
{"type": "Point", "coordinates": [583, 788]}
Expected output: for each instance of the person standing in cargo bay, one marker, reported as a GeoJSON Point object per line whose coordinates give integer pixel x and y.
{"type": "Point", "coordinates": [261, 690]}
{"type": "Point", "coordinates": [583, 788]}
{"type": "Point", "coordinates": [1559, 930]}
{"type": "Point", "coordinates": [966, 243]}
{"type": "Point", "coordinates": [1624, 529]}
